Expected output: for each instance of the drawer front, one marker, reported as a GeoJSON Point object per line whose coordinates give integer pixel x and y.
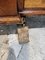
{"type": "Point", "coordinates": [8, 7]}
{"type": "Point", "coordinates": [34, 4]}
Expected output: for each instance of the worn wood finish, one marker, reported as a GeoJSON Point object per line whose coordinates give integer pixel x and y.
{"type": "Point", "coordinates": [32, 7]}
{"type": "Point", "coordinates": [34, 4]}
{"type": "Point", "coordinates": [10, 20]}
{"type": "Point", "coordinates": [32, 12]}
{"type": "Point", "coordinates": [8, 7]}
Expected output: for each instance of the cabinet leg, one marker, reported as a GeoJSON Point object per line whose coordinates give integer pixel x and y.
{"type": "Point", "coordinates": [23, 33]}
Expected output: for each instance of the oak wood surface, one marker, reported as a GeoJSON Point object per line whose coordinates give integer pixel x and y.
{"type": "Point", "coordinates": [34, 4]}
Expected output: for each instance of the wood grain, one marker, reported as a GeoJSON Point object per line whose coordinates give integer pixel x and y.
{"type": "Point", "coordinates": [34, 4]}
{"type": "Point", "coordinates": [8, 7]}
{"type": "Point", "coordinates": [10, 20]}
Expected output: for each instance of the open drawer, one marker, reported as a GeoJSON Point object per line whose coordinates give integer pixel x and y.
{"type": "Point", "coordinates": [33, 7]}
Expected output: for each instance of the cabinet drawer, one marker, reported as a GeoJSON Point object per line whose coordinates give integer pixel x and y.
{"type": "Point", "coordinates": [34, 4]}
